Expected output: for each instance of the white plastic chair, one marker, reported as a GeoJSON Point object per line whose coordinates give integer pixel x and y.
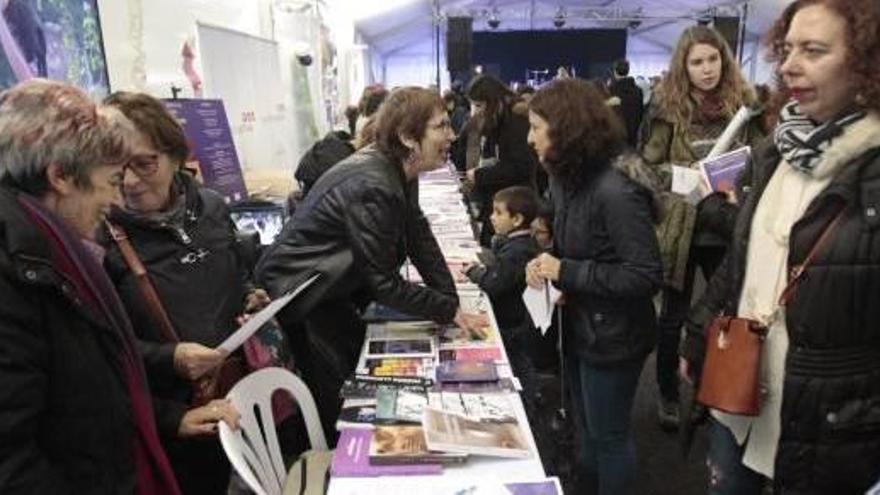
{"type": "Point", "coordinates": [253, 448]}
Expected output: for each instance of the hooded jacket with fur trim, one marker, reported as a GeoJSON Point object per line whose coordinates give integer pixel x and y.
{"type": "Point", "coordinates": [610, 261]}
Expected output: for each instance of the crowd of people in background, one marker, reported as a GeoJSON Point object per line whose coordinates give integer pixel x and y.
{"type": "Point", "coordinates": [570, 184]}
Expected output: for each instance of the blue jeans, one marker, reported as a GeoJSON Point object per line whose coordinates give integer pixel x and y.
{"type": "Point", "coordinates": [727, 475]}
{"type": "Point", "coordinates": [603, 400]}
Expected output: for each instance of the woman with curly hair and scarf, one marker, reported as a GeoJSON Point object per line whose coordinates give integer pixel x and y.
{"type": "Point", "coordinates": [818, 430]}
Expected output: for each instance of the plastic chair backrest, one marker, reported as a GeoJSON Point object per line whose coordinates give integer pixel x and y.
{"type": "Point", "coordinates": [253, 448]}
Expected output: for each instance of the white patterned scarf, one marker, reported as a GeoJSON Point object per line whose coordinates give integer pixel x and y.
{"type": "Point", "coordinates": [802, 142]}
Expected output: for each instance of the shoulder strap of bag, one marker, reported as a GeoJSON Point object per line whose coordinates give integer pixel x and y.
{"type": "Point", "coordinates": [797, 271]}
{"type": "Point", "coordinates": [148, 292]}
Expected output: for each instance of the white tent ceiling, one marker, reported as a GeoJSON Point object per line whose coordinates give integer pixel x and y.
{"type": "Point", "coordinates": [409, 27]}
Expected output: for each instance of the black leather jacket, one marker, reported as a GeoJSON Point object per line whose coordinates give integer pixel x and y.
{"type": "Point", "coordinates": [356, 227]}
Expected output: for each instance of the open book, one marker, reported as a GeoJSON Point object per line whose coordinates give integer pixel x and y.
{"type": "Point", "coordinates": [449, 432]}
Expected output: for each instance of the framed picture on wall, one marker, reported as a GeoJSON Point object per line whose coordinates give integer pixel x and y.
{"type": "Point", "coordinates": [57, 39]}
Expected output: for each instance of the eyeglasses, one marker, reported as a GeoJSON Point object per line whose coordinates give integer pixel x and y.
{"type": "Point", "coordinates": [144, 165]}
{"type": "Point", "coordinates": [442, 125]}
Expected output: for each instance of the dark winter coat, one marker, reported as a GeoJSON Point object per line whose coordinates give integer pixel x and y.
{"type": "Point", "coordinates": [505, 279]}
{"type": "Point", "coordinates": [517, 163]}
{"type": "Point", "coordinates": [356, 227]}
{"type": "Point", "coordinates": [332, 149]}
{"type": "Point", "coordinates": [200, 278]}
{"type": "Point", "coordinates": [662, 144]}
{"type": "Point", "coordinates": [830, 441]}
{"type": "Point", "coordinates": [631, 106]}
{"type": "Point", "coordinates": [65, 416]}
{"type": "Point", "coordinates": [604, 235]}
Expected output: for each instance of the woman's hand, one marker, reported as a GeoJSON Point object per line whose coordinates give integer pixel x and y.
{"type": "Point", "coordinates": [476, 325]}
{"type": "Point", "coordinates": [192, 360]}
{"type": "Point", "coordinates": [544, 267]}
{"type": "Point", "coordinates": [471, 176]}
{"type": "Point", "coordinates": [256, 300]}
{"type": "Point", "coordinates": [203, 420]}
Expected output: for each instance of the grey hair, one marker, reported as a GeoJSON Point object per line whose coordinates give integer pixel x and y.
{"type": "Point", "coordinates": [44, 122]}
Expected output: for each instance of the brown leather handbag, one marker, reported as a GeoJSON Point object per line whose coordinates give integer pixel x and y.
{"type": "Point", "coordinates": [732, 369]}
{"type": "Point", "coordinates": [214, 384]}
{"type": "Point", "coordinates": [730, 380]}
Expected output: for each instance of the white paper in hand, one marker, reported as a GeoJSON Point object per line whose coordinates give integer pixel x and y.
{"type": "Point", "coordinates": [256, 321]}
{"type": "Point", "coordinates": [540, 304]}
{"type": "Point", "coordinates": [686, 182]}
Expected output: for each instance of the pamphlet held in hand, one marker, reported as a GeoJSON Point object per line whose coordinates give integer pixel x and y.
{"type": "Point", "coordinates": [256, 321]}
{"type": "Point", "coordinates": [722, 172]}
{"type": "Point", "coordinates": [540, 304]}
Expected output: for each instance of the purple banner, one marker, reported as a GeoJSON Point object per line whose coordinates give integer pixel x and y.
{"type": "Point", "coordinates": [211, 146]}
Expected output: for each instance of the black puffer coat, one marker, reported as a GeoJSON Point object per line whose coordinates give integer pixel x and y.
{"type": "Point", "coordinates": [830, 417]}
{"type": "Point", "coordinates": [65, 416]}
{"type": "Point", "coordinates": [200, 278]}
{"type": "Point", "coordinates": [356, 226]}
{"type": "Point", "coordinates": [611, 268]}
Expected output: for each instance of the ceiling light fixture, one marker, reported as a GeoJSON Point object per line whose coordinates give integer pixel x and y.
{"type": "Point", "coordinates": [559, 18]}
{"type": "Point", "coordinates": [494, 21]}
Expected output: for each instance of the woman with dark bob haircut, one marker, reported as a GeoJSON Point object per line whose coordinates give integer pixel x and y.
{"type": "Point", "coordinates": [818, 430]}
{"type": "Point", "coordinates": [355, 228]}
{"type": "Point", "coordinates": [605, 260]}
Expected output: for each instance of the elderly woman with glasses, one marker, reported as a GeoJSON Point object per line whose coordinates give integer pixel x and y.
{"type": "Point", "coordinates": [184, 237]}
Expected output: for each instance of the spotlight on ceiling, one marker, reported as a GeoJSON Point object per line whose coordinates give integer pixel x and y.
{"type": "Point", "coordinates": [705, 18]}
{"type": "Point", "coordinates": [559, 18]}
{"type": "Point", "coordinates": [494, 21]}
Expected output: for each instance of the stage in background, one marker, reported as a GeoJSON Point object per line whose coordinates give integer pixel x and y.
{"type": "Point", "coordinates": [511, 54]}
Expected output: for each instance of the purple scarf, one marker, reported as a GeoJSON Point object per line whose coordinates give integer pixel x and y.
{"type": "Point", "coordinates": [71, 257]}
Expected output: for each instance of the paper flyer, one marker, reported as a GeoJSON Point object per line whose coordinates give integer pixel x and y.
{"type": "Point", "coordinates": [540, 304]}
{"type": "Point", "coordinates": [256, 321]}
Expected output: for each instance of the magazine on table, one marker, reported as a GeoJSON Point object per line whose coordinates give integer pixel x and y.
{"type": "Point", "coordinates": [486, 406]}
{"type": "Point", "coordinates": [472, 353]}
{"type": "Point", "coordinates": [351, 458]}
{"type": "Point", "coordinates": [467, 371]}
{"type": "Point", "coordinates": [405, 444]}
{"type": "Point", "coordinates": [400, 347]}
{"type": "Point", "coordinates": [452, 335]}
{"type": "Point", "coordinates": [397, 366]}
{"type": "Point", "coordinates": [361, 386]}
{"type": "Point", "coordinates": [449, 432]}
{"type": "Point", "coordinates": [402, 330]}
{"type": "Point", "coordinates": [377, 313]}
{"type": "Point", "coordinates": [511, 384]}
{"type": "Point", "coordinates": [358, 413]}
{"type": "Point", "coordinates": [397, 405]}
